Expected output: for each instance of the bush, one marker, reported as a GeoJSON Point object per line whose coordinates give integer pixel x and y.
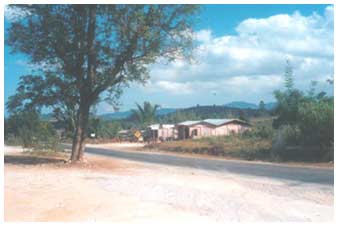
{"type": "Point", "coordinates": [261, 131]}
{"type": "Point", "coordinates": [103, 128]}
{"type": "Point", "coordinates": [285, 136]}
{"type": "Point", "coordinates": [317, 123]}
{"type": "Point", "coordinates": [12, 140]}
{"type": "Point", "coordinates": [249, 148]}
{"type": "Point", "coordinates": [26, 129]}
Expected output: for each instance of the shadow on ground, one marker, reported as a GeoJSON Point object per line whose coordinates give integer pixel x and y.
{"type": "Point", "coordinates": [30, 160]}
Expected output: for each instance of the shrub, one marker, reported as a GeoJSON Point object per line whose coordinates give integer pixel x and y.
{"type": "Point", "coordinates": [260, 131]}
{"type": "Point", "coordinates": [248, 148]}
{"type": "Point", "coordinates": [285, 136]}
{"type": "Point", "coordinates": [26, 129]}
{"type": "Point", "coordinates": [317, 123]}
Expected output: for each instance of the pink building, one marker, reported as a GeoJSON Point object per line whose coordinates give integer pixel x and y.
{"type": "Point", "coordinates": [211, 127]}
{"type": "Point", "coordinates": [162, 132]}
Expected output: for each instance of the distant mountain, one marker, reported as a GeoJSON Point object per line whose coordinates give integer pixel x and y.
{"type": "Point", "coordinates": [204, 110]}
{"type": "Point", "coordinates": [164, 111]}
{"type": "Point", "coordinates": [116, 115]}
{"type": "Point", "coordinates": [245, 105]}
{"type": "Point", "coordinates": [127, 114]}
{"type": "Point", "coordinates": [241, 105]}
{"type": "Point", "coordinates": [211, 111]}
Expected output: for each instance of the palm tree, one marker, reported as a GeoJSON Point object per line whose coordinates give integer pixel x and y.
{"type": "Point", "coordinates": [146, 114]}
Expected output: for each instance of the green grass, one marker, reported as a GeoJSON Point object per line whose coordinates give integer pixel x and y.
{"type": "Point", "coordinates": [249, 148]}
{"type": "Point", "coordinates": [47, 153]}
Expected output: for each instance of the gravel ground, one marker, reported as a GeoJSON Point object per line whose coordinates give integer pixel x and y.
{"type": "Point", "coordinates": [225, 198]}
{"type": "Point", "coordinates": [124, 191]}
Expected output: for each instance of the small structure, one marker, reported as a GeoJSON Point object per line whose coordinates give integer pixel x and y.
{"type": "Point", "coordinates": [211, 127]}
{"type": "Point", "coordinates": [123, 135]}
{"type": "Point", "coordinates": [161, 132]}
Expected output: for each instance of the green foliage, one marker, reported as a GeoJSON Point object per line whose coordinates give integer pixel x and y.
{"type": "Point", "coordinates": [104, 129]}
{"type": "Point", "coordinates": [316, 122]}
{"type": "Point", "coordinates": [86, 50]}
{"type": "Point", "coordinates": [289, 76]}
{"type": "Point", "coordinates": [249, 148]}
{"type": "Point", "coordinates": [260, 131]}
{"type": "Point", "coordinates": [89, 53]}
{"type": "Point", "coordinates": [242, 116]}
{"type": "Point", "coordinates": [287, 109]}
{"type": "Point", "coordinates": [204, 112]}
{"type": "Point", "coordinates": [145, 114]}
{"type": "Point", "coordinates": [26, 129]}
{"type": "Point", "coordinates": [305, 120]}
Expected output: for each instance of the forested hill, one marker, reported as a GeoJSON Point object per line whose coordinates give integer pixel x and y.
{"type": "Point", "coordinates": [203, 112]}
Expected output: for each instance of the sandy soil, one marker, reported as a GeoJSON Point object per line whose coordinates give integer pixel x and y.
{"type": "Point", "coordinates": [106, 189]}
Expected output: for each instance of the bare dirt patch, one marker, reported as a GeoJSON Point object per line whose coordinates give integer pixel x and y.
{"type": "Point", "coordinates": [121, 191]}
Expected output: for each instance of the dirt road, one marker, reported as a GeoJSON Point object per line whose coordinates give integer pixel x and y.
{"type": "Point", "coordinates": [133, 191]}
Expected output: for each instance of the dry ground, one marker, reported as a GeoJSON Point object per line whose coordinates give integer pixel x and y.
{"type": "Point", "coordinates": [108, 189]}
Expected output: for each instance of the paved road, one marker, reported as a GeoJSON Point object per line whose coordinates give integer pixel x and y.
{"type": "Point", "coordinates": [322, 176]}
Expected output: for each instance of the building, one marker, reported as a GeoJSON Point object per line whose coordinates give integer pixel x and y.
{"type": "Point", "coordinates": [210, 127]}
{"type": "Point", "coordinates": [162, 132]}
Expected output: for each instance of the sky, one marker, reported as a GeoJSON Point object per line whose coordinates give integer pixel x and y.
{"type": "Point", "coordinates": [240, 55]}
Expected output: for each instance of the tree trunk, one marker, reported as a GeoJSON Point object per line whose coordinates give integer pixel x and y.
{"type": "Point", "coordinates": [79, 139]}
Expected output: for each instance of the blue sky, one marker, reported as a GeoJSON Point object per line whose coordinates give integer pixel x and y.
{"type": "Point", "coordinates": [240, 55]}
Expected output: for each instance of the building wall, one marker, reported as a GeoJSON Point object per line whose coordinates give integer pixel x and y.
{"type": "Point", "coordinates": [204, 130]}
{"type": "Point", "coordinates": [166, 133]}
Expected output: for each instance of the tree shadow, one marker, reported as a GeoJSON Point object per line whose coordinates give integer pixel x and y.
{"type": "Point", "coordinates": [30, 160]}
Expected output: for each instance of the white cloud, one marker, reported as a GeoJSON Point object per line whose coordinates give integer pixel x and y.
{"type": "Point", "coordinates": [203, 36]}
{"type": "Point", "coordinates": [13, 13]}
{"type": "Point", "coordinates": [250, 64]}
{"type": "Point", "coordinates": [174, 87]}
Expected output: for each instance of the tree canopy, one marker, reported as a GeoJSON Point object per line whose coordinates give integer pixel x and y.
{"type": "Point", "coordinates": [88, 53]}
{"type": "Point", "coordinates": [309, 118]}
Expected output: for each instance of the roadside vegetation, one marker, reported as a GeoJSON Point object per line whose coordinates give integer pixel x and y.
{"type": "Point", "coordinates": [28, 130]}
{"type": "Point", "coordinates": [100, 51]}
{"type": "Point", "coordinates": [301, 128]}
{"type": "Point", "coordinates": [81, 69]}
{"type": "Point", "coordinates": [304, 124]}
{"type": "Point", "coordinates": [236, 146]}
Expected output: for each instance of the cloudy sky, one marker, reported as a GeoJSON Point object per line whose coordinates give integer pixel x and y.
{"type": "Point", "coordinates": [240, 55]}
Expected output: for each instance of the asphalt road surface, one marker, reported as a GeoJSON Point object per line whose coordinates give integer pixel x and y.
{"type": "Point", "coordinates": [315, 175]}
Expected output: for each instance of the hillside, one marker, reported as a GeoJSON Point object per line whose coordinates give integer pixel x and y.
{"type": "Point", "coordinates": [245, 105]}
{"type": "Point", "coordinates": [128, 114]}
{"type": "Point", "coordinates": [203, 112]}
{"type": "Point", "coordinates": [241, 105]}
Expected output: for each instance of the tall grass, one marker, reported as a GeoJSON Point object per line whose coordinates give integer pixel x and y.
{"type": "Point", "coordinates": [249, 148]}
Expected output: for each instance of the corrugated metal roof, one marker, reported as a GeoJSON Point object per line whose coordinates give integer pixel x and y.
{"type": "Point", "coordinates": [217, 122]}
{"type": "Point", "coordinates": [214, 122]}
{"type": "Point", "coordinates": [158, 126]}
{"type": "Point", "coordinates": [167, 126]}
{"type": "Point", "coordinates": [154, 126]}
{"type": "Point", "coordinates": [189, 123]}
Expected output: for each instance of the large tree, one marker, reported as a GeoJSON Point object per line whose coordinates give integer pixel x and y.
{"type": "Point", "coordinates": [88, 53]}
